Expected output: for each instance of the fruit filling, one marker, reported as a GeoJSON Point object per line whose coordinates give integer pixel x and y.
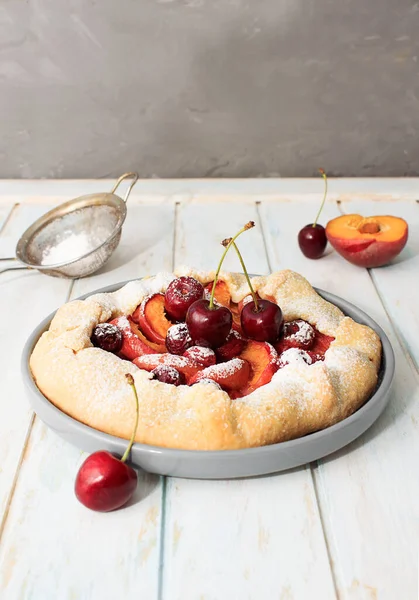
{"type": "Point", "coordinates": [193, 334]}
{"type": "Point", "coordinates": [178, 339]}
{"type": "Point", "coordinates": [238, 366]}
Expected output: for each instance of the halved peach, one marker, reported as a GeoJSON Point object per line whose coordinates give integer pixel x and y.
{"type": "Point", "coordinates": [367, 242]}
{"type": "Point", "coordinates": [221, 294]}
{"type": "Point", "coordinates": [181, 363]}
{"type": "Point", "coordinates": [263, 359]}
{"type": "Point", "coordinates": [151, 318]}
{"type": "Point", "coordinates": [231, 375]}
{"type": "Point", "coordinates": [132, 346]}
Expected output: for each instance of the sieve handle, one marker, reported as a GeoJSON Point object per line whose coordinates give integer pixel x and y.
{"type": "Point", "coordinates": [132, 176]}
{"type": "Point", "coordinates": [13, 268]}
{"type": "Point", "coordinates": [19, 268]}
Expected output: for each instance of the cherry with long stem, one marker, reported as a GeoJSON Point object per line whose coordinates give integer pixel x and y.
{"type": "Point", "coordinates": [105, 482]}
{"type": "Point", "coordinates": [209, 324]}
{"type": "Point", "coordinates": [261, 320]}
{"type": "Point", "coordinates": [323, 174]}
{"type": "Point", "coordinates": [229, 243]}
{"type": "Point", "coordinates": [226, 243]}
{"type": "Point", "coordinates": [130, 380]}
{"type": "Point", "coordinates": [312, 238]}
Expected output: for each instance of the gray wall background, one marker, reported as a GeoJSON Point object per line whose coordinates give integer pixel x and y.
{"type": "Point", "coordinates": [208, 88]}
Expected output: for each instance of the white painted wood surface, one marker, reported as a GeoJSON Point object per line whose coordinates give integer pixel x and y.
{"type": "Point", "coordinates": [368, 497]}
{"type": "Point", "coordinates": [346, 528]}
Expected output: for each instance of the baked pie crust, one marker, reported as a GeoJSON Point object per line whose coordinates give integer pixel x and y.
{"type": "Point", "coordinates": [89, 384]}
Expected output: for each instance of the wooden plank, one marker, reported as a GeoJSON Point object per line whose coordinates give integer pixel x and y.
{"type": "Point", "coordinates": [398, 282]}
{"type": "Point", "coordinates": [256, 538]}
{"type": "Point", "coordinates": [144, 249]}
{"type": "Point", "coordinates": [52, 546]}
{"type": "Point", "coordinates": [368, 491]}
{"type": "Point", "coordinates": [25, 298]}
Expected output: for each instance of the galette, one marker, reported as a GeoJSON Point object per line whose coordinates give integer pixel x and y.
{"type": "Point", "coordinates": [213, 371]}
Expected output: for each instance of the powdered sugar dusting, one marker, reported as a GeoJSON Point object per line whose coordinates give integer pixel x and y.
{"type": "Point", "coordinates": [124, 325]}
{"type": "Point", "coordinates": [304, 333]}
{"type": "Point", "coordinates": [294, 356]}
{"type": "Point", "coordinates": [201, 356]}
{"type": "Point", "coordinates": [202, 350]}
{"type": "Point", "coordinates": [152, 360]}
{"type": "Point", "coordinates": [178, 332]}
{"type": "Point", "coordinates": [224, 369]}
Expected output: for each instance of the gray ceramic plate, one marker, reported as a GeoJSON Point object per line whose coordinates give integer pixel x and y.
{"type": "Point", "coordinates": [222, 464]}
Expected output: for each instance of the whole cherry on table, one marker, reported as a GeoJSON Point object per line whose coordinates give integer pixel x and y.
{"type": "Point", "coordinates": [312, 238]}
{"type": "Point", "coordinates": [105, 482]}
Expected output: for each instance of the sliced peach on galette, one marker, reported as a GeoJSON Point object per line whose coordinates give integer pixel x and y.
{"type": "Point", "coordinates": [132, 346]}
{"type": "Point", "coordinates": [231, 375]}
{"type": "Point", "coordinates": [135, 329]}
{"type": "Point", "coordinates": [263, 360]}
{"type": "Point", "coordinates": [151, 317]}
{"type": "Point", "coordinates": [182, 364]}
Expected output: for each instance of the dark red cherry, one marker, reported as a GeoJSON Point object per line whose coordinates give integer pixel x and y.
{"type": "Point", "coordinates": [294, 356]}
{"type": "Point", "coordinates": [201, 356]}
{"type": "Point", "coordinates": [178, 339]}
{"type": "Point", "coordinates": [104, 482]}
{"type": "Point", "coordinates": [208, 326]}
{"type": "Point", "coordinates": [299, 334]}
{"type": "Point", "coordinates": [263, 324]}
{"type": "Point", "coordinates": [107, 336]}
{"type": "Point", "coordinates": [167, 374]}
{"type": "Point", "coordinates": [180, 294]}
{"type": "Point", "coordinates": [312, 240]}
{"type": "Point", "coordinates": [233, 347]}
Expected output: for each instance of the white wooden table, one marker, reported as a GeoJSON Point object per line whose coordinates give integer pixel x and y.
{"type": "Point", "coordinates": [345, 527]}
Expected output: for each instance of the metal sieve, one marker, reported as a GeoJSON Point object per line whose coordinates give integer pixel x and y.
{"type": "Point", "coordinates": [76, 238]}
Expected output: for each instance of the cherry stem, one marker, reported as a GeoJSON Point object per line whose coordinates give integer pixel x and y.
{"type": "Point", "coordinates": [231, 241]}
{"type": "Point", "coordinates": [130, 380]}
{"type": "Point", "coordinates": [252, 291]}
{"type": "Point", "coordinates": [323, 174]}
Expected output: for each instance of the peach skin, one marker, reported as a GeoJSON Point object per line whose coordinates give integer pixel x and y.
{"type": "Point", "coordinates": [367, 242]}
{"type": "Point", "coordinates": [263, 360]}
{"type": "Point", "coordinates": [151, 318]}
{"type": "Point", "coordinates": [132, 345]}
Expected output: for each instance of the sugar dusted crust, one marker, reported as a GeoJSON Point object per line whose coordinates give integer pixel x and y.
{"type": "Point", "coordinates": [89, 384]}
